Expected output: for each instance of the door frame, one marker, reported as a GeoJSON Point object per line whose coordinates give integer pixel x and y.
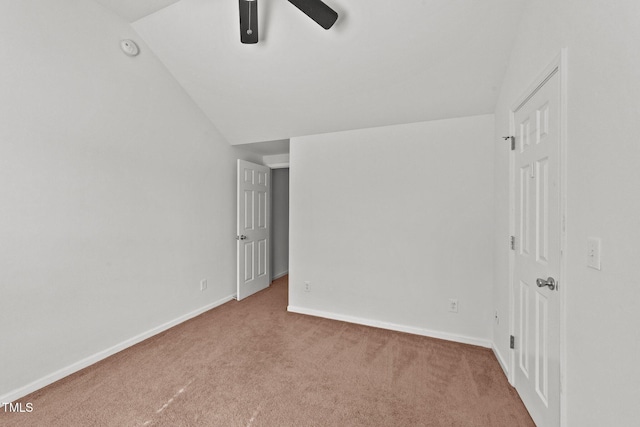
{"type": "Point", "coordinates": [559, 66]}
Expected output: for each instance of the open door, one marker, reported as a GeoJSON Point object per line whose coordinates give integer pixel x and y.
{"type": "Point", "coordinates": [254, 182]}
{"type": "Point", "coordinates": [536, 159]}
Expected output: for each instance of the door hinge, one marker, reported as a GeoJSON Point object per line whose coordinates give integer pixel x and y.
{"type": "Point", "coordinates": [512, 243]}
{"type": "Point", "coordinates": [512, 140]}
{"type": "Point", "coordinates": [512, 342]}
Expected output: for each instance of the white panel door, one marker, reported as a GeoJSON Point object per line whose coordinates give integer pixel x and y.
{"type": "Point", "coordinates": [537, 253]}
{"type": "Point", "coordinates": [254, 182]}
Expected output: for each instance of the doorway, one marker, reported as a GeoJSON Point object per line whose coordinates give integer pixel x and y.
{"type": "Point", "coordinates": [279, 223]}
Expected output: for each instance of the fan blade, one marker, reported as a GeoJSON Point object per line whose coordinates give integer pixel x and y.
{"type": "Point", "coordinates": [248, 21]}
{"type": "Point", "coordinates": [318, 11]}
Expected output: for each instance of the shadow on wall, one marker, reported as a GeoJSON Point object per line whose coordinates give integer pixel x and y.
{"type": "Point", "coordinates": [279, 223]}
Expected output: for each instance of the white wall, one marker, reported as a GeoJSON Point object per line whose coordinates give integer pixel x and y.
{"type": "Point", "coordinates": [117, 194]}
{"type": "Point", "coordinates": [603, 342]}
{"type": "Point", "coordinates": [389, 223]}
{"type": "Point", "coordinates": [279, 222]}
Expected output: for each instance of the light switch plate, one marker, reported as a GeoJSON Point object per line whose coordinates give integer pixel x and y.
{"type": "Point", "coordinates": [594, 247]}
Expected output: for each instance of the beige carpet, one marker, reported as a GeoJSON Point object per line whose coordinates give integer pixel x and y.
{"type": "Point", "coordinates": [251, 363]}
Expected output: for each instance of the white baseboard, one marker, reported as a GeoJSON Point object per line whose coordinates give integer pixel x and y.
{"type": "Point", "coordinates": [81, 364]}
{"type": "Point", "coordinates": [279, 275]}
{"type": "Point", "coordinates": [392, 326]}
{"type": "Point", "coordinates": [501, 360]}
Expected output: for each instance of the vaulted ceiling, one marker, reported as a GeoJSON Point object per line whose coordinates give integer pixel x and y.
{"type": "Point", "coordinates": [383, 62]}
{"type": "Point", "coordinates": [134, 10]}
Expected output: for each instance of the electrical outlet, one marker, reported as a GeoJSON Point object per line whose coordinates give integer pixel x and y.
{"type": "Point", "coordinates": [307, 286]}
{"type": "Point", "coordinates": [203, 284]}
{"type": "Point", "coordinates": [453, 305]}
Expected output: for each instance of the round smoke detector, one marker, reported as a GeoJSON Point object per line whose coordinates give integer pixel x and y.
{"type": "Point", "coordinates": [129, 47]}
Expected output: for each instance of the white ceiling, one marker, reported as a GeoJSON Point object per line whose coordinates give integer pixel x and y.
{"type": "Point", "coordinates": [132, 10]}
{"type": "Point", "coordinates": [384, 62]}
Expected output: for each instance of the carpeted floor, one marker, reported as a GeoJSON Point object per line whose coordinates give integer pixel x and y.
{"type": "Point", "coordinates": [251, 363]}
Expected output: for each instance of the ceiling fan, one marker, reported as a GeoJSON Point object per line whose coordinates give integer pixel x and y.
{"type": "Point", "coordinates": [314, 9]}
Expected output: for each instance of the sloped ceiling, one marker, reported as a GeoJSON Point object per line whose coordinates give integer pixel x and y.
{"type": "Point", "coordinates": [132, 10]}
{"type": "Point", "coordinates": [384, 62]}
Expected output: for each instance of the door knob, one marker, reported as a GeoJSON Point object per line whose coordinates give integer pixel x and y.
{"type": "Point", "coordinates": [241, 237]}
{"type": "Point", "coordinates": [550, 282]}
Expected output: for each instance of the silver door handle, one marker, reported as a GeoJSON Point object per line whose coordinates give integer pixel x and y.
{"type": "Point", "coordinates": [550, 282]}
{"type": "Point", "coordinates": [241, 237]}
